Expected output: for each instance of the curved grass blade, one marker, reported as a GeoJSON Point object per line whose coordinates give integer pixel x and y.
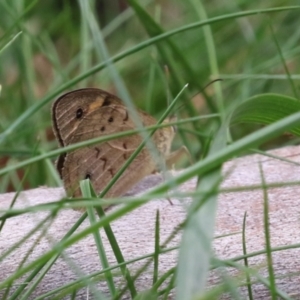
{"type": "Point", "coordinates": [266, 109]}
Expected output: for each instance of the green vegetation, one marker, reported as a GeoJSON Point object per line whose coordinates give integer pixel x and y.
{"type": "Point", "coordinates": [239, 59]}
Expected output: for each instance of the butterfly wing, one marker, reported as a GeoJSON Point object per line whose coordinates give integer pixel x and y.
{"type": "Point", "coordinates": [100, 163]}
{"type": "Point", "coordinates": [72, 111]}
{"type": "Point", "coordinates": [90, 113]}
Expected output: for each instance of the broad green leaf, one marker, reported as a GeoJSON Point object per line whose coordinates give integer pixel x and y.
{"type": "Point", "coordinates": [266, 109]}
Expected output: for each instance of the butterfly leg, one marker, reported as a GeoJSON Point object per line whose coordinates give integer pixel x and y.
{"type": "Point", "coordinates": [172, 158]}
{"type": "Point", "coordinates": [176, 155]}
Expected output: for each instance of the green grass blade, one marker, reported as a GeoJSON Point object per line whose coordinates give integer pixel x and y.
{"type": "Point", "coordinates": [86, 192]}
{"type": "Point", "coordinates": [248, 279]}
{"type": "Point", "coordinates": [273, 286]}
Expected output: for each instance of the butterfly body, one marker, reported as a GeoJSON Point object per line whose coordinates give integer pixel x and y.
{"type": "Point", "coordinates": [89, 113]}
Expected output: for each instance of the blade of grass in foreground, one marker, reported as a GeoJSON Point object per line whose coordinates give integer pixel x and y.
{"type": "Point", "coordinates": [118, 253]}
{"type": "Point", "coordinates": [116, 249]}
{"type": "Point", "coordinates": [40, 270]}
{"type": "Point", "coordinates": [273, 287]}
{"type": "Point", "coordinates": [86, 192]}
{"type": "Point", "coordinates": [198, 232]}
{"type": "Point", "coordinates": [94, 141]}
{"type": "Point", "coordinates": [201, 167]}
{"type": "Point", "coordinates": [248, 279]}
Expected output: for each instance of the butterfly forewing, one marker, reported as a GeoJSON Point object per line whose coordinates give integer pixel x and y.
{"type": "Point", "coordinates": [72, 111]}
{"type": "Point", "coordinates": [89, 113]}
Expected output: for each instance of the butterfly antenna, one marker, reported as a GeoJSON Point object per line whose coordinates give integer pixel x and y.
{"type": "Point", "coordinates": [206, 86]}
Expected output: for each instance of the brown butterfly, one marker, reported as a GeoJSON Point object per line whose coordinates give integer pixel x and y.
{"type": "Point", "coordinates": [89, 113]}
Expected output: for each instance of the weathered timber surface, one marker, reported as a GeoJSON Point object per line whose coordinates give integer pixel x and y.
{"type": "Point", "coordinates": [135, 231]}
